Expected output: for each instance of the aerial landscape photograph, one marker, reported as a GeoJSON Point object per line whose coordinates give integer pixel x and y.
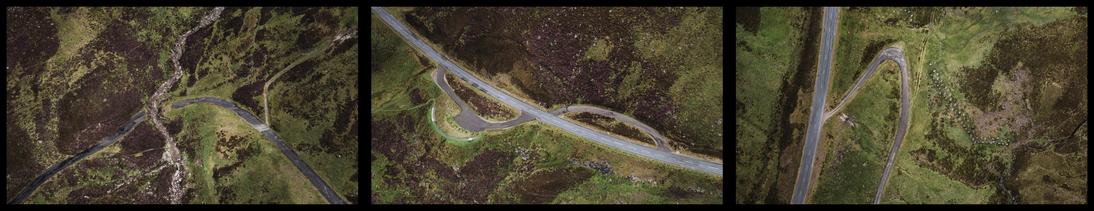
{"type": "Point", "coordinates": [181, 105]}
{"type": "Point", "coordinates": [911, 105]}
{"type": "Point", "coordinates": [546, 105]}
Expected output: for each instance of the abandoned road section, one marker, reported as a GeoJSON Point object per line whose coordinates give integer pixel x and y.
{"type": "Point", "coordinates": [545, 117]}
{"type": "Point", "coordinates": [897, 55]}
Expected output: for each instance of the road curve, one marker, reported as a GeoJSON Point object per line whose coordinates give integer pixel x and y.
{"type": "Point", "coordinates": [658, 139]}
{"type": "Point", "coordinates": [819, 116]}
{"type": "Point", "coordinates": [545, 117]}
{"type": "Point", "coordinates": [140, 117]}
{"type": "Point", "coordinates": [897, 55]}
{"type": "Point", "coordinates": [894, 54]}
{"type": "Point", "coordinates": [468, 119]}
{"type": "Point", "coordinates": [820, 93]}
{"type": "Point", "coordinates": [314, 178]}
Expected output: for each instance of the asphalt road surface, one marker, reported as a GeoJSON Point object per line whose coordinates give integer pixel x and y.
{"type": "Point", "coordinates": [805, 170]}
{"type": "Point", "coordinates": [468, 119]}
{"type": "Point", "coordinates": [897, 55]}
{"type": "Point", "coordinates": [52, 170]}
{"type": "Point", "coordinates": [315, 180]}
{"type": "Point", "coordinates": [545, 117]}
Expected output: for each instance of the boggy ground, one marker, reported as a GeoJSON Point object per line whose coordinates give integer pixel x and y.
{"type": "Point", "coordinates": [26, 51]}
{"type": "Point", "coordinates": [1029, 94]}
{"type": "Point", "coordinates": [127, 172]}
{"type": "Point", "coordinates": [65, 96]}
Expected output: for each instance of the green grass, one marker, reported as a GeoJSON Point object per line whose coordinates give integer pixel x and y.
{"type": "Point", "coordinates": [271, 178]}
{"type": "Point", "coordinates": [378, 166]}
{"type": "Point", "coordinates": [205, 145]}
{"type": "Point", "coordinates": [52, 192]}
{"type": "Point", "coordinates": [864, 149]}
{"type": "Point", "coordinates": [698, 90]}
{"type": "Point", "coordinates": [222, 58]}
{"type": "Point", "coordinates": [555, 148]}
{"type": "Point", "coordinates": [1037, 17]}
{"type": "Point", "coordinates": [632, 81]}
{"type": "Point", "coordinates": [264, 178]}
{"type": "Point", "coordinates": [599, 50]}
{"type": "Point", "coordinates": [394, 65]}
{"type": "Point", "coordinates": [912, 184]}
{"type": "Point", "coordinates": [763, 69]}
{"type": "Point", "coordinates": [960, 136]}
{"type": "Point", "coordinates": [335, 170]}
{"type": "Point", "coordinates": [556, 154]}
{"type": "Point", "coordinates": [608, 189]}
{"type": "Point", "coordinates": [956, 40]}
{"type": "Point", "coordinates": [693, 51]}
{"type": "Point", "coordinates": [396, 72]}
{"type": "Point", "coordinates": [772, 58]}
{"type": "Point", "coordinates": [302, 111]}
{"type": "Point", "coordinates": [74, 32]}
{"type": "Point", "coordinates": [853, 181]}
{"type": "Point", "coordinates": [967, 41]}
{"type": "Point", "coordinates": [456, 153]}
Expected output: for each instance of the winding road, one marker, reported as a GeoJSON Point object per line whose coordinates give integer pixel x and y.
{"type": "Point", "coordinates": [546, 117]}
{"type": "Point", "coordinates": [327, 192]}
{"type": "Point", "coordinates": [139, 117]}
{"type": "Point", "coordinates": [468, 119]}
{"type": "Point", "coordinates": [819, 116]}
{"type": "Point", "coordinates": [897, 55]}
{"type": "Point", "coordinates": [171, 154]}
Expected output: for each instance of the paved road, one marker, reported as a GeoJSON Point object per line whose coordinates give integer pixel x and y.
{"type": "Point", "coordinates": [468, 119]}
{"type": "Point", "coordinates": [139, 117]}
{"type": "Point", "coordinates": [314, 178]}
{"type": "Point", "coordinates": [172, 151]}
{"type": "Point", "coordinates": [897, 55]}
{"type": "Point", "coordinates": [658, 139]}
{"type": "Point", "coordinates": [52, 170]}
{"type": "Point", "coordinates": [805, 170]}
{"type": "Point", "coordinates": [819, 116]}
{"type": "Point", "coordinates": [433, 124]}
{"type": "Point", "coordinates": [545, 117]}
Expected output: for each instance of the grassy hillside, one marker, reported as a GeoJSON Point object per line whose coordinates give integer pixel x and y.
{"type": "Point", "coordinates": [77, 74]}
{"type": "Point", "coordinates": [975, 107]}
{"type": "Point", "coordinates": [529, 163]}
{"type": "Point", "coordinates": [655, 64]}
{"type": "Point", "coordinates": [767, 58]}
